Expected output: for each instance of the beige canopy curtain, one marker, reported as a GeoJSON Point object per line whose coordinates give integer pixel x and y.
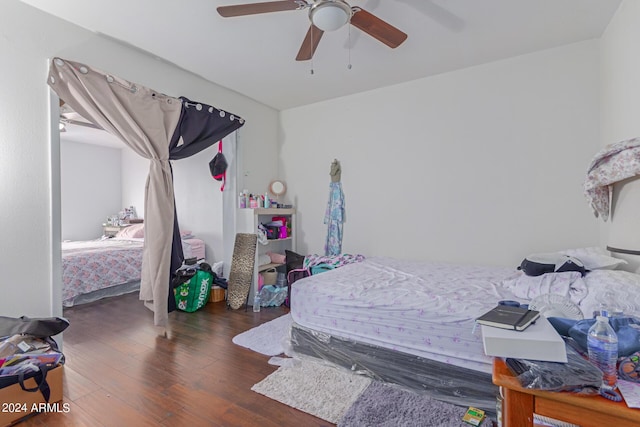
{"type": "Point", "coordinates": [151, 124]}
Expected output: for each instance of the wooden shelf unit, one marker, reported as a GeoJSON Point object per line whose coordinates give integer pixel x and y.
{"type": "Point", "coordinates": [247, 222]}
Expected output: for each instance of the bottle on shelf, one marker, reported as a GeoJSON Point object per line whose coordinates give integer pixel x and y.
{"type": "Point", "coordinates": [256, 302]}
{"type": "Point", "coordinates": [602, 344]}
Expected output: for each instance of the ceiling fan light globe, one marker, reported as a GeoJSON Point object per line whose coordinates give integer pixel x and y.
{"type": "Point", "coordinates": [330, 15]}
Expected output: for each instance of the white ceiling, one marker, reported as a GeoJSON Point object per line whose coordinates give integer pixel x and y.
{"type": "Point", "coordinates": [84, 135]}
{"type": "Point", "coordinates": [255, 55]}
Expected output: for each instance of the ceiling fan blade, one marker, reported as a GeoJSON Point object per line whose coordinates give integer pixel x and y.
{"type": "Point", "coordinates": [256, 8]}
{"type": "Point", "coordinates": [377, 28]}
{"type": "Point", "coordinates": [310, 43]}
{"type": "Point", "coordinates": [81, 123]}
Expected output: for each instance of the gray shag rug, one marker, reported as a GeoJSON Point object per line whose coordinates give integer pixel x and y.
{"type": "Point", "coordinates": [338, 395]}
{"type": "Point", "coordinates": [385, 405]}
{"type": "Point", "coordinates": [347, 399]}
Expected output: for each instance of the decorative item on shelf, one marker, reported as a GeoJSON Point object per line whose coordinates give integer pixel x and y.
{"type": "Point", "coordinates": [277, 188]}
{"type": "Point", "coordinates": [130, 213]}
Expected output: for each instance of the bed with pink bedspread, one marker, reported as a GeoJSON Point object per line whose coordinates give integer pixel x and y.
{"type": "Point", "coordinates": [101, 268]}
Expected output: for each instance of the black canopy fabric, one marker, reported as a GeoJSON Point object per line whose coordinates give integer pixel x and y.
{"type": "Point", "coordinates": [159, 128]}
{"type": "Point", "coordinates": [199, 127]}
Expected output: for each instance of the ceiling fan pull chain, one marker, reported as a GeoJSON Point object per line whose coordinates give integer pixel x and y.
{"type": "Point", "coordinates": [311, 40]}
{"type": "Point", "coordinates": [349, 48]}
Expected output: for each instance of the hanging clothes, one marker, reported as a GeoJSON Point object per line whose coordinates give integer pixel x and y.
{"type": "Point", "coordinates": [335, 213]}
{"type": "Point", "coordinates": [614, 163]}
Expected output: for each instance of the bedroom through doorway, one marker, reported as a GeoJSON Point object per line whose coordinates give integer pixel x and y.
{"type": "Point", "coordinates": [99, 176]}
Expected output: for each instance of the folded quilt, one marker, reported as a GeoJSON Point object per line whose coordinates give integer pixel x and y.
{"type": "Point", "coordinates": [612, 164]}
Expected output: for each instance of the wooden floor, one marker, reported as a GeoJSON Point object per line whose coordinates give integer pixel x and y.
{"type": "Point", "coordinates": [120, 372]}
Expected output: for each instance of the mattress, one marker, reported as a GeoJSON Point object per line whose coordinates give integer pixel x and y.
{"type": "Point", "coordinates": [460, 386]}
{"type": "Point", "coordinates": [422, 309]}
{"type": "Point", "coordinates": [411, 323]}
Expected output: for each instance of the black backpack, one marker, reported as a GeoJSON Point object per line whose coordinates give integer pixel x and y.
{"type": "Point", "coordinates": [539, 264]}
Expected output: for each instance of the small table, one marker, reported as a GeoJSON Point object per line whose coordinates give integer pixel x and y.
{"type": "Point", "coordinates": [112, 230]}
{"type": "Point", "coordinates": [519, 404]}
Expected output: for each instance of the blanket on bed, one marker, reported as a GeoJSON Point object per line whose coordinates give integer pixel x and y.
{"type": "Point", "coordinates": [98, 264]}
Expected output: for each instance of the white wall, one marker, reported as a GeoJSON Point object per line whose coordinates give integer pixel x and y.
{"type": "Point", "coordinates": [90, 188]}
{"type": "Point", "coordinates": [483, 165]}
{"type": "Point", "coordinates": [29, 189]}
{"type": "Point", "coordinates": [197, 195]}
{"type": "Point", "coordinates": [621, 117]}
{"type": "Point", "coordinates": [621, 75]}
{"type": "Point", "coordinates": [98, 181]}
{"type": "Point", "coordinates": [135, 170]}
{"type": "Point", "coordinates": [199, 200]}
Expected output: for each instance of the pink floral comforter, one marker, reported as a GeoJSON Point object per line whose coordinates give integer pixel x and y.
{"type": "Point", "coordinates": [98, 264]}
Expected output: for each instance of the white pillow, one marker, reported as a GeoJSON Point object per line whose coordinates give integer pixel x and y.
{"type": "Point", "coordinates": [595, 258]}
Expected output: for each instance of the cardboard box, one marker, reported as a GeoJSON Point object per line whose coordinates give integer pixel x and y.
{"type": "Point", "coordinates": [539, 341]}
{"type": "Point", "coordinates": [17, 403]}
{"type": "Point", "coordinates": [217, 294]}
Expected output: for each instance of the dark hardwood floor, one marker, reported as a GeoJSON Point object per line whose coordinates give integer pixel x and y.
{"type": "Point", "coordinates": [120, 372]}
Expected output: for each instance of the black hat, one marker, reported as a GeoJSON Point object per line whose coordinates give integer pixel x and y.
{"type": "Point", "coordinates": [218, 167]}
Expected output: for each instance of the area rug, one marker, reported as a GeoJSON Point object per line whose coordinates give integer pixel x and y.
{"type": "Point", "coordinates": [268, 338]}
{"type": "Point", "coordinates": [325, 391]}
{"type": "Point", "coordinates": [385, 405]}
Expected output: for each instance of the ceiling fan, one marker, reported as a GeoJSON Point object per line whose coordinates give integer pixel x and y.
{"type": "Point", "coordinates": [68, 116]}
{"type": "Point", "coordinates": [325, 15]}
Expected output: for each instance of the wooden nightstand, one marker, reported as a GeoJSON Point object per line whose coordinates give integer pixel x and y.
{"type": "Point", "coordinates": [520, 404]}
{"type": "Point", "coordinates": [112, 230]}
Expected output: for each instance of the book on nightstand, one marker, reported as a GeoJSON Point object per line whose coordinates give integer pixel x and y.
{"type": "Point", "coordinates": [509, 317]}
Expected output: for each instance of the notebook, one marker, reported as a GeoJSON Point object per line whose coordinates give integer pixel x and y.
{"type": "Point", "coordinates": [508, 317]}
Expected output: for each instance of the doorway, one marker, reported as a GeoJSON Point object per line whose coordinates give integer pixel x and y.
{"type": "Point", "coordinates": [209, 213]}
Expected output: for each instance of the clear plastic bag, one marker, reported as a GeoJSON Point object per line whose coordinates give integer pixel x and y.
{"type": "Point", "coordinates": [272, 296]}
{"type": "Point", "coordinates": [578, 375]}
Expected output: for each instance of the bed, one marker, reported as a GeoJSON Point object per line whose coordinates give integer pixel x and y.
{"type": "Point", "coordinates": [107, 267]}
{"type": "Point", "coordinates": [412, 323]}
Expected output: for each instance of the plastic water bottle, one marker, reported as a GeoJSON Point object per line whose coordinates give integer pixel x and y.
{"type": "Point", "coordinates": [607, 306]}
{"type": "Point", "coordinates": [256, 305]}
{"type": "Point", "coordinates": [602, 343]}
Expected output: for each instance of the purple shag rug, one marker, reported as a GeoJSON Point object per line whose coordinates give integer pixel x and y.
{"type": "Point", "coordinates": [384, 405]}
